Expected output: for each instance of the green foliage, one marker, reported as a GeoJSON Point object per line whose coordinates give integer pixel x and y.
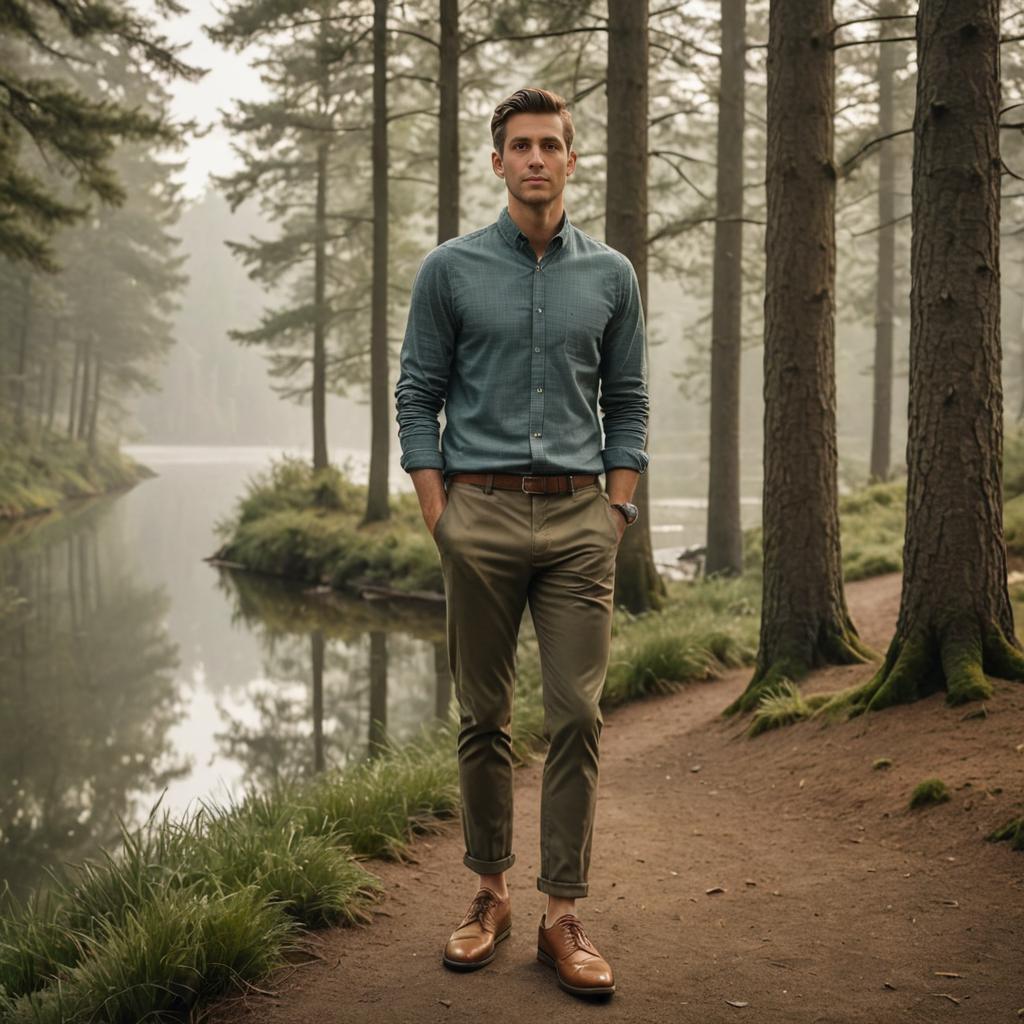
{"type": "Point", "coordinates": [57, 122]}
{"type": "Point", "coordinates": [37, 477]}
{"type": "Point", "coordinates": [929, 792]}
{"type": "Point", "coordinates": [306, 525]}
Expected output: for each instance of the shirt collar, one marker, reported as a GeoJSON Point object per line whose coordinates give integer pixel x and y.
{"type": "Point", "coordinates": [511, 233]}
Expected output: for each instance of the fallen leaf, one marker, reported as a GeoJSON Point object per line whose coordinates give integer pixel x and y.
{"type": "Point", "coordinates": [713, 890]}
{"type": "Point", "coordinates": [951, 903]}
{"type": "Point", "coordinates": [695, 768]}
{"type": "Point", "coordinates": [946, 995]}
{"type": "Point", "coordinates": [889, 986]}
{"type": "Point", "coordinates": [445, 1002]}
{"type": "Point", "coordinates": [736, 1002]}
{"type": "Point", "coordinates": [946, 974]}
{"type": "Point", "coordinates": [749, 881]}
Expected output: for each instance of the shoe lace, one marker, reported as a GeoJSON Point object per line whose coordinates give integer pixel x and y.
{"type": "Point", "coordinates": [480, 905]}
{"type": "Point", "coordinates": [574, 928]}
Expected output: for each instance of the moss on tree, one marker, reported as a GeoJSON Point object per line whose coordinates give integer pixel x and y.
{"type": "Point", "coordinates": [956, 658]}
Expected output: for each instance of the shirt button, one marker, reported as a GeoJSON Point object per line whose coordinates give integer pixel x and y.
{"type": "Point", "coordinates": [540, 389]}
{"type": "Point", "coordinates": [536, 435]}
{"type": "Point", "coordinates": [536, 350]}
{"type": "Point", "coordinates": [540, 310]}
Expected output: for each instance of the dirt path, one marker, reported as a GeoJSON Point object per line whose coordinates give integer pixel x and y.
{"type": "Point", "coordinates": [839, 905]}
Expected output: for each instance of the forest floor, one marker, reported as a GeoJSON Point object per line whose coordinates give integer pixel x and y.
{"type": "Point", "coordinates": [838, 904]}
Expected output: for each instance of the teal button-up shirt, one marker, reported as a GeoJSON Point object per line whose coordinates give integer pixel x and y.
{"type": "Point", "coordinates": [514, 350]}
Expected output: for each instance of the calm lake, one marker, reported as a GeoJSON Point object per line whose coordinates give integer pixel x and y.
{"type": "Point", "coordinates": [132, 672]}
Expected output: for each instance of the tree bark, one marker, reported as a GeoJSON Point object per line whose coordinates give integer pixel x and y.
{"type": "Point", "coordinates": [448, 137]}
{"type": "Point", "coordinates": [638, 587]}
{"type": "Point", "coordinates": [955, 621]}
{"type": "Point", "coordinates": [724, 527]}
{"type": "Point", "coordinates": [804, 618]}
{"type": "Point", "coordinates": [377, 508]}
{"type": "Point", "coordinates": [885, 290]}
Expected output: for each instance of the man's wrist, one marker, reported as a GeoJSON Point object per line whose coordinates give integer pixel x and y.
{"type": "Point", "coordinates": [627, 510]}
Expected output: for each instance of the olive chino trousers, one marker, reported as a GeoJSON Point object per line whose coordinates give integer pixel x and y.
{"type": "Point", "coordinates": [501, 550]}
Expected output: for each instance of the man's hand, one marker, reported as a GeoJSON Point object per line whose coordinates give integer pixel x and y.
{"type": "Point", "coordinates": [429, 484]}
{"type": "Point", "coordinates": [621, 520]}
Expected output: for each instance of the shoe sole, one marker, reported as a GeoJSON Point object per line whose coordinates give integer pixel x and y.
{"type": "Point", "coordinates": [545, 958]}
{"type": "Point", "coordinates": [462, 965]}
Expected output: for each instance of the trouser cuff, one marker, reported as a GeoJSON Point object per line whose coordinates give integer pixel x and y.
{"type": "Point", "coordinates": [489, 867]}
{"type": "Point", "coordinates": [570, 890]}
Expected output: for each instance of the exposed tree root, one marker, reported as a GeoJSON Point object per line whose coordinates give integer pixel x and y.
{"type": "Point", "coordinates": [956, 660]}
{"type": "Point", "coordinates": [834, 647]}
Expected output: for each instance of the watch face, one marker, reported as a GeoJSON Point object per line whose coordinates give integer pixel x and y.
{"type": "Point", "coordinates": [629, 511]}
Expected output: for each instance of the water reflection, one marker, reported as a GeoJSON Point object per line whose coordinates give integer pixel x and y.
{"type": "Point", "coordinates": [88, 695]}
{"type": "Point", "coordinates": [133, 673]}
{"type": "Point", "coordinates": [324, 698]}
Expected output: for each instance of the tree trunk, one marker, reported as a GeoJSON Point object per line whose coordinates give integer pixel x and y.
{"type": "Point", "coordinates": [21, 376]}
{"type": "Point", "coordinates": [804, 619]}
{"type": "Point", "coordinates": [94, 411]}
{"type": "Point", "coordinates": [84, 391]}
{"type": "Point", "coordinates": [448, 137]}
{"type": "Point", "coordinates": [638, 587]}
{"type": "Point", "coordinates": [73, 390]}
{"type": "Point", "coordinates": [54, 386]}
{"type": "Point", "coordinates": [377, 508]}
{"type": "Point", "coordinates": [319, 398]}
{"type": "Point", "coordinates": [885, 290]}
{"type": "Point", "coordinates": [724, 529]}
{"type": "Point", "coordinates": [955, 621]}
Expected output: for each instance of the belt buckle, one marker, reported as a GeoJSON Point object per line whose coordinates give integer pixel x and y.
{"type": "Point", "coordinates": [525, 491]}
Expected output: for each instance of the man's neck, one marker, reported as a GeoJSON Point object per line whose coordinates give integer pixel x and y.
{"type": "Point", "coordinates": [539, 223]}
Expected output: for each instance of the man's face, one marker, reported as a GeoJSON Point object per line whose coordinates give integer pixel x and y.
{"type": "Point", "coordinates": [536, 162]}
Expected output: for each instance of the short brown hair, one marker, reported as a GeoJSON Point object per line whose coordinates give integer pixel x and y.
{"type": "Point", "coordinates": [530, 101]}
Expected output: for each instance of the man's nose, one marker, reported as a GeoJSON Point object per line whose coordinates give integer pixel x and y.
{"type": "Point", "coordinates": [536, 156]}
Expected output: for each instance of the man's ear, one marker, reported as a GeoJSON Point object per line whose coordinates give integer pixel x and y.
{"type": "Point", "coordinates": [497, 164]}
{"type": "Point", "coordinates": [570, 164]}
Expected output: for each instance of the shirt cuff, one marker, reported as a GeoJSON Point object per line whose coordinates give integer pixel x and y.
{"type": "Point", "coordinates": [421, 458]}
{"type": "Point", "coordinates": [625, 458]}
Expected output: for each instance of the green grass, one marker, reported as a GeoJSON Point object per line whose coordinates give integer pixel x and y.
{"type": "Point", "coordinates": [928, 793]}
{"type": "Point", "coordinates": [303, 525]}
{"type": "Point", "coordinates": [1012, 832]}
{"type": "Point", "coordinates": [782, 705]}
{"type": "Point", "coordinates": [43, 475]}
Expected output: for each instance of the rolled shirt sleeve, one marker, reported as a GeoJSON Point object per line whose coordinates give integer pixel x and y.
{"type": "Point", "coordinates": [624, 399]}
{"type": "Point", "coordinates": [425, 363]}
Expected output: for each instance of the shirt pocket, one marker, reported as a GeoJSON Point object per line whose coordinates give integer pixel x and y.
{"type": "Point", "coordinates": [584, 329]}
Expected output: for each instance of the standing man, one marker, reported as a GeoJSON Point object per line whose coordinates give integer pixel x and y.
{"type": "Point", "coordinates": [512, 329]}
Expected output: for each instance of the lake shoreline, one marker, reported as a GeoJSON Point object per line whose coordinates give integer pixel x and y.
{"type": "Point", "coordinates": [48, 477]}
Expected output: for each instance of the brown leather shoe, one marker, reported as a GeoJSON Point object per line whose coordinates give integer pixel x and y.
{"type": "Point", "coordinates": [487, 922]}
{"type": "Point", "coordinates": [580, 968]}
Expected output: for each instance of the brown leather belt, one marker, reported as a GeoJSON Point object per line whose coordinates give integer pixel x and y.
{"type": "Point", "coordinates": [564, 484]}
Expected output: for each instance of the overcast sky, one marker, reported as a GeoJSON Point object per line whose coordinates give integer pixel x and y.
{"type": "Point", "coordinates": [229, 78]}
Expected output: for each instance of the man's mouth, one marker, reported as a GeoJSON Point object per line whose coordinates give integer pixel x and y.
{"type": "Point", "coordinates": [537, 179]}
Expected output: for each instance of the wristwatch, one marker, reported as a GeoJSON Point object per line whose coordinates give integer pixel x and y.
{"type": "Point", "coordinates": [629, 511]}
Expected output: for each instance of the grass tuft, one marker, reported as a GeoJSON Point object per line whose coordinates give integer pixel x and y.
{"type": "Point", "coordinates": [928, 793]}
{"type": "Point", "coordinates": [782, 705]}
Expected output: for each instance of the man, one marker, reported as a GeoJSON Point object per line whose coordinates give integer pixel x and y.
{"type": "Point", "coordinates": [512, 328]}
